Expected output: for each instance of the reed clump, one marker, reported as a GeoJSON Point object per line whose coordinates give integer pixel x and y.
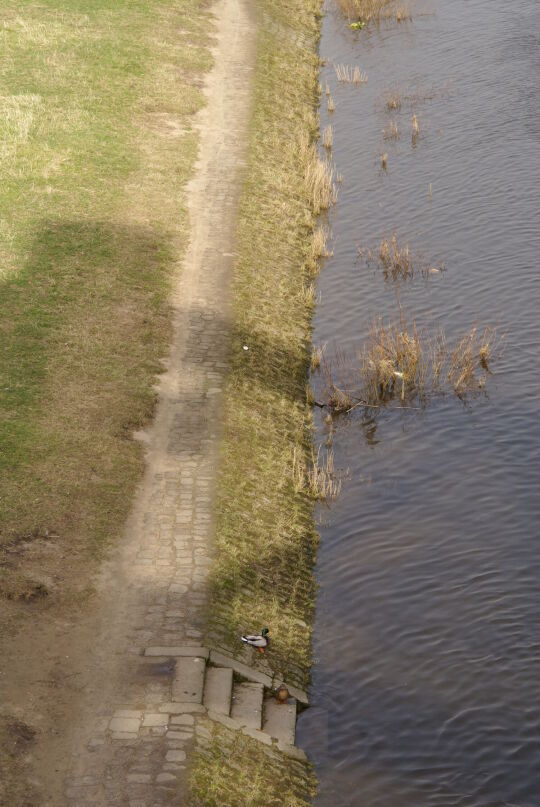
{"type": "Point", "coordinates": [318, 249]}
{"type": "Point", "coordinates": [376, 10]}
{"type": "Point", "coordinates": [327, 137]}
{"type": "Point", "coordinates": [320, 481]}
{"type": "Point", "coordinates": [393, 100]}
{"type": "Point", "coordinates": [330, 103]}
{"type": "Point", "coordinates": [396, 260]}
{"type": "Point", "coordinates": [401, 362]}
{"type": "Point", "coordinates": [359, 76]}
{"type": "Point", "coordinates": [392, 131]}
{"type": "Point", "coordinates": [318, 177]}
{"type": "Point", "coordinates": [350, 75]}
{"type": "Point", "coordinates": [317, 354]}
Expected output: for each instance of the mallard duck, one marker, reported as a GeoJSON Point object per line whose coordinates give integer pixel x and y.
{"type": "Point", "coordinates": [282, 694]}
{"type": "Point", "coordinates": [260, 642]}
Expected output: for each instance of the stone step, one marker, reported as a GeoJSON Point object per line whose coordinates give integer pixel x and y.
{"type": "Point", "coordinates": [247, 700]}
{"type": "Point", "coordinates": [279, 720]}
{"type": "Point", "coordinates": [218, 689]}
{"type": "Point", "coordinates": [188, 683]}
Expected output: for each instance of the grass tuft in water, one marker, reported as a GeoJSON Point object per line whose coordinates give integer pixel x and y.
{"type": "Point", "coordinates": [396, 260]}
{"type": "Point", "coordinates": [401, 362]}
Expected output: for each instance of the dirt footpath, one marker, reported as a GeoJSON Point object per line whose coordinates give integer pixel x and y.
{"type": "Point", "coordinates": [102, 737]}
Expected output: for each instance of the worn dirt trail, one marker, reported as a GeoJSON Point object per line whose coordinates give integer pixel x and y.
{"type": "Point", "coordinates": [111, 734]}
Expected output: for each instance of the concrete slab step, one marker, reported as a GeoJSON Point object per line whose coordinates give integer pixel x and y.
{"type": "Point", "coordinates": [246, 706]}
{"type": "Point", "coordinates": [279, 720]}
{"type": "Point", "coordinates": [188, 683]}
{"type": "Point", "coordinates": [218, 689]}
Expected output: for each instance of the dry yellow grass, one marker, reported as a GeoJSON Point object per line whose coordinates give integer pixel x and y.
{"type": "Point", "coordinates": [327, 137]}
{"type": "Point", "coordinates": [376, 10]}
{"type": "Point", "coordinates": [318, 249]}
{"type": "Point", "coordinates": [319, 179]}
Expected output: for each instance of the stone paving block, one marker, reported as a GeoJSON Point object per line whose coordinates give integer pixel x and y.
{"type": "Point", "coordinates": [175, 755]}
{"type": "Point", "coordinates": [256, 734]}
{"type": "Point", "coordinates": [181, 708]}
{"type": "Point", "coordinates": [221, 660]}
{"type": "Point", "coordinates": [163, 778]}
{"type": "Point", "coordinates": [182, 720]}
{"type": "Point", "coordinates": [246, 705]}
{"type": "Point", "coordinates": [292, 751]}
{"type": "Point", "coordinates": [179, 735]}
{"type": "Point", "coordinates": [188, 681]}
{"type": "Point", "coordinates": [218, 689]}
{"type": "Point", "coordinates": [128, 713]}
{"type": "Point", "coordinates": [124, 735]}
{"type": "Point", "coordinates": [186, 650]}
{"type": "Point", "coordinates": [122, 724]}
{"type": "Point", "coordinates": [139, 778]}
{"type": "Point", "coordinates": [279, 720]}
{"type": "Point", "coordinates": [155, 720]}
{"type": "Point", "coordinates": [225, 720]}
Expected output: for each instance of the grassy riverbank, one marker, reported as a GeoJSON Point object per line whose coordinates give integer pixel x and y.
{"type": "Point", "coordinates": [266, 539]}
{"type": "Point", "coordinates": [96, 101]}
{"type": "Point", "coordinates": [96, 149]}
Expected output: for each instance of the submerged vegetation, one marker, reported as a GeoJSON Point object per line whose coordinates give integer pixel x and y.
{"type": "Point", "coordinates": [401, 362]}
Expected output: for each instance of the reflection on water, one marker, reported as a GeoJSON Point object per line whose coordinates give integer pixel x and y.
{"type": "Point", "coordinates": [427, 686]}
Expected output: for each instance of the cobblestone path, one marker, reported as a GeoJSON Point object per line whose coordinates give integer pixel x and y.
{"type": "Point", "coordinates": [133, 744]}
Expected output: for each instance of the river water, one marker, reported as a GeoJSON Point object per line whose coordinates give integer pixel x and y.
{"type": "Point", "coordinates": [426, 688]}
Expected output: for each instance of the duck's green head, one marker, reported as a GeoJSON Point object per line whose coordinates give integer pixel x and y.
{"type": "Point", "coordinates": [264, 631]}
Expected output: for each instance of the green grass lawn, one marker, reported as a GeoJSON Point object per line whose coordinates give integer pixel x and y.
{"type": "Point", "coordinates": [96, 146]}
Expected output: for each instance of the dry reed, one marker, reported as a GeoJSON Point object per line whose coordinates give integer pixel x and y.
{"type": "Point", "coordinates": [359, 76]}
{"type": "Point", "coordinates": [320, 481]}
{"type": "Point", "coordinates": [393, 99]}
{"type": "Point", "coordinates": [319, 178]}
{"type": "Point", "coordinates": [316, 357]}
{"type": "Point", "coordinates": [396, 261]}
{"type": "Point", "coordinates": [327, 137]}
{"type": "Point", "coordinates": [402, 362]}
{"type": "Point", "coordinates": [392, 131]}
{"type": "Point", "coordinates": [319, 243]}
{"type": "Point", "coordinates": [350, 75]}
{"type": "Point", "coordinates": [330, 104]}
{"type": "Point", "coordinates": [376, 10]}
